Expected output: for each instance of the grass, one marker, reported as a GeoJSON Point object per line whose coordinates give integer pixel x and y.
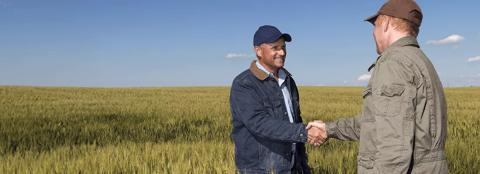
{"type": "Point", "coordinates": [179, 130]}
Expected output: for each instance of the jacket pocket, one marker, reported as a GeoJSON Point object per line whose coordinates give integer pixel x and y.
{"type": "Point", "coordinates": [392, 90]}
{"type": "Point", "coordinates": [278, 160]}
{"type": "Point", "coordinates": [367, 115]}
{"type": "Point", "coordinates": [367, 92]}
{"type": "Point", "coordinates": [366, 161]}
{"type": "Point", "coordinates": [388, 100]}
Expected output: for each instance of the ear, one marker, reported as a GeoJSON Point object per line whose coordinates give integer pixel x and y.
{"type": "Point", "coordinates": [258, 50]}
{"type": "Point", "coordinates": [386, 24]}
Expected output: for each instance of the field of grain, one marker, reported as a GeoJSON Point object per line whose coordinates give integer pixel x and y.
{"type": "Point", "coordinates": [179, 130]}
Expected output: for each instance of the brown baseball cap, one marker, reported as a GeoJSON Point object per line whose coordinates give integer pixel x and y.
{"type": "Point", "coordinates": [404, 9]}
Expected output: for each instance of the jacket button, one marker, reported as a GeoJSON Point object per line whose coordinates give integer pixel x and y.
{"type": "Point", "coordinates": [285, 113]}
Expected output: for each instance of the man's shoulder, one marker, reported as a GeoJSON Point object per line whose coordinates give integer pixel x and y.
{"type": "Point", "coordinates": [406, 52]}
{"type": "Point", "coordinates": [406, 55]}
{"type": "Point", "coordinates": [244, 77]}
{"type": "Point", "coordinates": [407, 60]}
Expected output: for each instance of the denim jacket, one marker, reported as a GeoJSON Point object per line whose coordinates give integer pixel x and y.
{"type": "Point", "coordinates": [263, 135]}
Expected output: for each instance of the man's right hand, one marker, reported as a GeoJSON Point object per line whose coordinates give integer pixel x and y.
{"type": "Point", "coordinates": [317, 133]}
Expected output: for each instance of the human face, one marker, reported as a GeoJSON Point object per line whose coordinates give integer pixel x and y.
{"type": "Point", "coordinates": [379, 34]}
{"type": "Point", "coordinates": [272, 55]}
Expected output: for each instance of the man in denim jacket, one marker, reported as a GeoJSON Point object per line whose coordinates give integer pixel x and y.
{"type": "Point", "coordinates": [268, 132]}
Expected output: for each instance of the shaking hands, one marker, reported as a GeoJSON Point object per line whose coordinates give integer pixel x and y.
{"type": "Point", "coordinates": [317, 133]}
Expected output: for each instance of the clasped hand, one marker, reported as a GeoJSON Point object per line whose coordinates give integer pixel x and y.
{"type": "Point", "coordinates": [317, 133]}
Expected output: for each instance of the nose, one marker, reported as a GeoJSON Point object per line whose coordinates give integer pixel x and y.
{"type": "Point", "coordinates": [281, 52]}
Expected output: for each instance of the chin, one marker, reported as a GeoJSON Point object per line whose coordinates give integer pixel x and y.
{"type": "Point", "coordinates": [279, 65]}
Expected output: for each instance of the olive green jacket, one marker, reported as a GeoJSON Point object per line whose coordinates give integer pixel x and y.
{"type": "Point", "coordinates": [403, 125]}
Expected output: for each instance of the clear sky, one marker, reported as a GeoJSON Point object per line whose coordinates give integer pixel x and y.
{"type": "Point", "coordinates": [132, 43]}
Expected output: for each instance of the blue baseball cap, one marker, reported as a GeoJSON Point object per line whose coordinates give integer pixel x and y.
{"type": "Point", "coordinates": [269, 34]}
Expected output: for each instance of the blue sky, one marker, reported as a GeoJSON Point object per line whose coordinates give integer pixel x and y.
{"type": "Point", "coordinates": [127, 43]}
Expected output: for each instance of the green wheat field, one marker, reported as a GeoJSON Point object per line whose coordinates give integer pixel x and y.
{"type": "Point", "coordinates": [179, 130]}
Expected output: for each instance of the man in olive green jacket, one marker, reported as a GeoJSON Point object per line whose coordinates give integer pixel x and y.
{"type": "Point", "coordinates": [403, 126]}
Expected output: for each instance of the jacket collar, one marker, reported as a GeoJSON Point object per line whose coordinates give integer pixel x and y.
{"type": "Point", "coordinates": [260, 74]}
{"type": "Point", "coordinates": [404, 41]}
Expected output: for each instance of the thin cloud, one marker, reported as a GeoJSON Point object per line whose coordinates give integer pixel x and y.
{"type": "Point", "coordinates": [364, 77]}
{"type": "Point", "coordinates": [473, 59]}
{"type": "Point", "coordinates": [471, 80]}
{"type": "Point", "coordinates": [239, 56]}
{"type": "Point", "coordinates": [454, 38]}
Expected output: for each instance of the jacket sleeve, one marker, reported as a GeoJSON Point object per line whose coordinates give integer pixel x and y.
{"type": "Point", "coordinates": [347, 129]}
{"type": "Point", "coordinates": [250, 111]}
{"type": "Point", "coordinates": [393, 100]}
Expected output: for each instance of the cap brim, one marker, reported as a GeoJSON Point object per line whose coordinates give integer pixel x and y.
{"type": "Point", "coordinates": [287, 37]}
{"type": "Point", "coordinates": [372, 19]}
